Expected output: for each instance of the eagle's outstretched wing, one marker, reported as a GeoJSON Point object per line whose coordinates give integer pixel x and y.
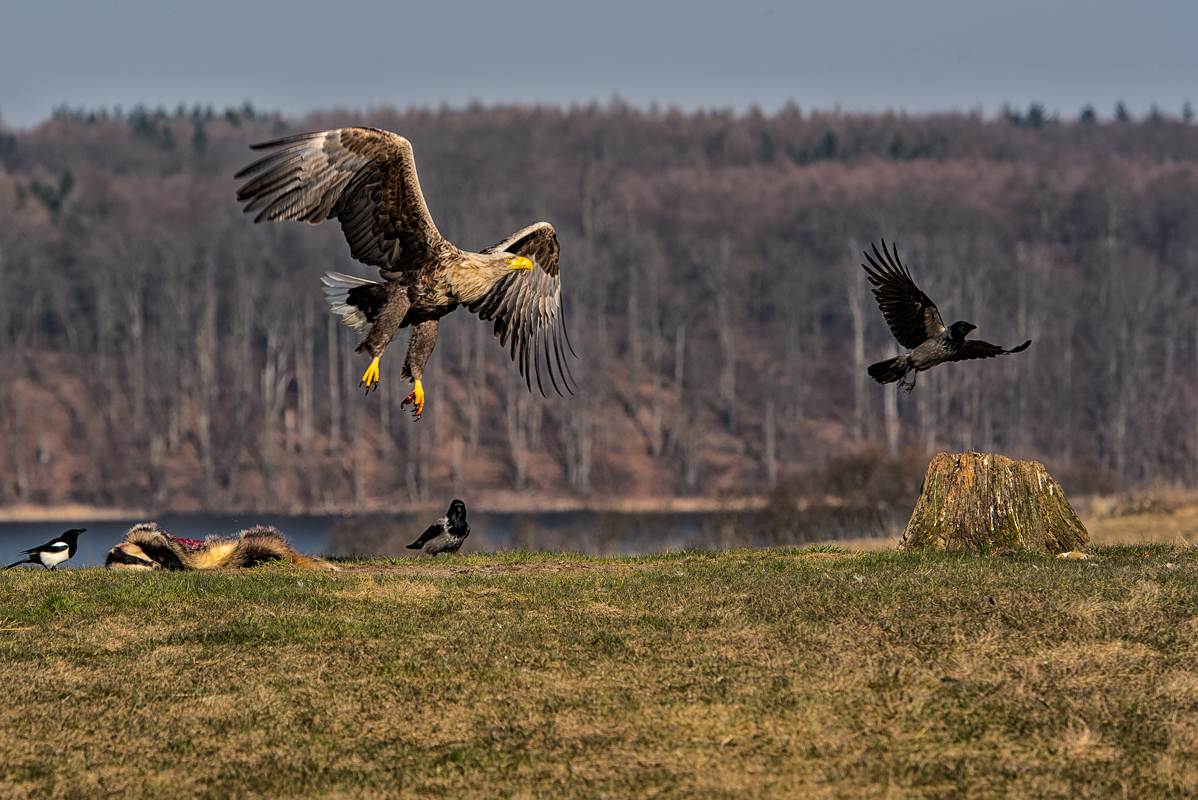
{"type": "Point", "coordinates": [974, 348]}
{"type": "Point", "coordinates": [912, 316]}
{"type": "Point", "coordinates": [363, 177]}
{"type": "Point", "coordinates": [526, 305]}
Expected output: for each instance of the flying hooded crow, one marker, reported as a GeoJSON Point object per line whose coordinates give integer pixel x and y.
{"type": "Point", "coordinates": [53, 552]}
{"type": "Point", "coordinates": [446, 534]}
{"type": "Point", "coordinates": [916, 323]}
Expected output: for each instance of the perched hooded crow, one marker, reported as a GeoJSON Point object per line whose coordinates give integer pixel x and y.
{"type": "Point", "coordinates": [446, 534]}
{"type": "Point", "coordinates": [916, 323]}
{"type": "Point", "coordinates": [54, 552]}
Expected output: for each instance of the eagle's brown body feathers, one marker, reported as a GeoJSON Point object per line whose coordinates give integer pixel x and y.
{"type": "Point", "coordinates": [366, 179]}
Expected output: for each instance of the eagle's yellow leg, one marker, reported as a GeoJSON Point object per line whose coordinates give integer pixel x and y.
{"type": "Point", "coordinates": [416, 398]}
{"type": "Point", "coordinates": [372, 374]}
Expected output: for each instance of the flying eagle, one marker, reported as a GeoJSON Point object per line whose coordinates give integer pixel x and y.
{"type": "Point", "coordinates": [366, 179]}
{"type": "Point", "coordinates": [915, 321]}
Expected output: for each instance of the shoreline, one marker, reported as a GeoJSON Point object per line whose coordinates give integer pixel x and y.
{"type": "Point", "coordinates": [68, 513]}
{"type": "Point", "coordinates": [495, 504]}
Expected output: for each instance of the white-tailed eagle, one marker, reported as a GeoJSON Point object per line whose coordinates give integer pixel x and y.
{"type": "Point", "coordinates": [365, 178]}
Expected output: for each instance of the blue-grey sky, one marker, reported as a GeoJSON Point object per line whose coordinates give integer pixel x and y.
{"type": "Point", "coordinates": [865, 55]}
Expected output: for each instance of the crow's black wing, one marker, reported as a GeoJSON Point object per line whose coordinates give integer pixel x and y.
{"type": "Point", "coordinates": [977, 349]}
{"type": "Point", "coordinates": [912, 316]}
{"type": "Point", "coordinates": [434, 530]}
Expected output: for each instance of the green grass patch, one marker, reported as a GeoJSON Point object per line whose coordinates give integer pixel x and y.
{"type": "Point", "coordinates": [764, 673]}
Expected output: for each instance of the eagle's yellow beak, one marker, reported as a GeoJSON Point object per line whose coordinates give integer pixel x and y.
{"type": "Point", "coordinates": [518, 262]}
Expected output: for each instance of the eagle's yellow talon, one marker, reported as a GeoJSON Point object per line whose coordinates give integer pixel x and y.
{"type": "Point", "coordinates": [372, 374]}
{"type": "Point", "coordinates": [416, 398]}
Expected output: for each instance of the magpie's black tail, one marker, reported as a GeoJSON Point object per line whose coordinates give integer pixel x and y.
{"type": "Point", "coordinates": [22, 561]}
{"type": "Point", "coordinates": [890, 370]}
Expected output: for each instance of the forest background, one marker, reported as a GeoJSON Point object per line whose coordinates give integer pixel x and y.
{"type": "Point", "coordinates": [159, 351]}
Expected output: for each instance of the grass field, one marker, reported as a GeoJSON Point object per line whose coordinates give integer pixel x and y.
{"type": "Point", "coordinates": [769, 673]}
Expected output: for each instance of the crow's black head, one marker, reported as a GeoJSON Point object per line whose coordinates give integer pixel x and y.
{"type": "Point", "coordinates": [456, 514]}
{"type": "Point", "coordinates": [960, 329]}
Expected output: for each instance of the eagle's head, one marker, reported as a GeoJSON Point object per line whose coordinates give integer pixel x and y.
{"type": "Point", "coordinates": [517, 262]}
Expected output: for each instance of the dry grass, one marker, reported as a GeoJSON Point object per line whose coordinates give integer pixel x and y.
{"type": "Point", "coordinates": [1172, 526]}
{"type": "Point", "coordinates": [775, 673]}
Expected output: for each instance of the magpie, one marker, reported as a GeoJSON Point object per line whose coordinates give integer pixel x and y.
{"type": "Point", "coordinates": [446, 534]}
{"type": "Point", "coordinates": [53, 552]}
{"type": "Point", "coordinates": [915, 321]}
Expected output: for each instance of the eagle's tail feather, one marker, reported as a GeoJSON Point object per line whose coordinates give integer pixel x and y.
{"type": "Point", "coordinates": [337, 287]}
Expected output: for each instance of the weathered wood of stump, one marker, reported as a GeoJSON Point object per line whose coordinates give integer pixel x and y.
{"type": "Point", "coordinates": [974, 501]}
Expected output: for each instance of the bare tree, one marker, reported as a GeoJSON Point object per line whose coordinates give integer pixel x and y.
{"type": "Point", "coordinates": [719, 343]}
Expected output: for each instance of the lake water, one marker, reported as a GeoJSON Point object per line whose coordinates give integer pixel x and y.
{"type": "Point", "coordinates": [594, 532]}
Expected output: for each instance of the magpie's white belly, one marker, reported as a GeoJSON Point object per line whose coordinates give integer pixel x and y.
{"type": "Point", "coordinates": [54, 559]}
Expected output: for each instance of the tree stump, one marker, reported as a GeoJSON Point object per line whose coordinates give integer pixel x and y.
{"type": "Point", "coordinates": [986, 503]}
